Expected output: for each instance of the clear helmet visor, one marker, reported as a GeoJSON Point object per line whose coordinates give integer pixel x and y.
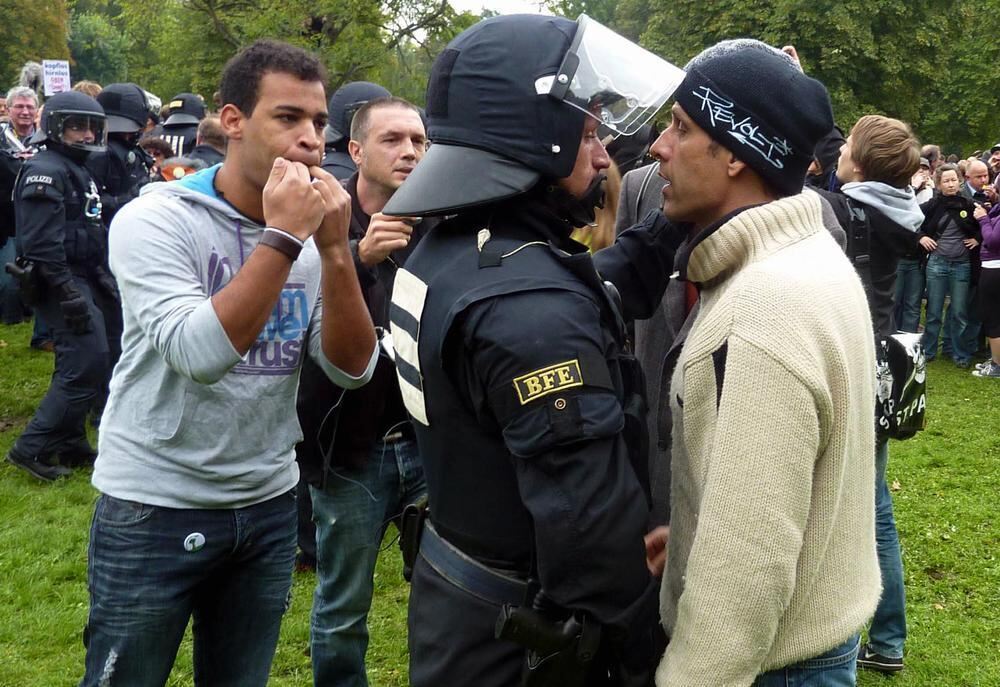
{"type": "Point", "coordinates": [612, 79]}
{"type": "Point", "coordinates": [82, 130]}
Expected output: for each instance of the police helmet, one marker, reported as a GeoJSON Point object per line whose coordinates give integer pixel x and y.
{"type": "Point", "coordinates": [66, 119]}
{"type": "Point", "coordinates": [506, 104]}
{"type": "Point", "coordinates": [125, 106]}
{"type": "Point", "coordinates": [185, 108]}
{"type": "Point", "coordinates": [344, 102]}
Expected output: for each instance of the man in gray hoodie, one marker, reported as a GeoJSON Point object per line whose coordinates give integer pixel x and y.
{"type": "Point", "coordinates": [225, 277]}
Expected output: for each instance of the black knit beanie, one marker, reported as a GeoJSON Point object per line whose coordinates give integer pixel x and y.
{"type": "Point", "coordinates": [758, 105]}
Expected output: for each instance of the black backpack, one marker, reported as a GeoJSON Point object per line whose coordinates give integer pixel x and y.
{"type": "Point", "coordinates": [901, 399]}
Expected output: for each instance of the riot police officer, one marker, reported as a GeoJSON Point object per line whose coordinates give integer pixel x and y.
{"type": "Point", "coordinates": [344, 102]}
{"type": "Point", "coordinates": [123, 168]}
{"type": "Point", "coordinates": [180, 129]}
{"type": "Point", "coordinates": [62, 256]}
{"type": "Point", "coordinates": [513, 363]}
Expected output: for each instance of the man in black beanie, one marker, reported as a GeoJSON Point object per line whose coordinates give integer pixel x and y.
{"type": "Point", "coordinates": [771, 569]}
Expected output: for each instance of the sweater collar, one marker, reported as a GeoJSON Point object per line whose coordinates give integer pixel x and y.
{"type": "Point", "coordinates": [752, 234]}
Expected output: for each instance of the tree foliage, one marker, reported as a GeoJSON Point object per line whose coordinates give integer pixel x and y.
{"type": "Point", "coordinates": [922, 62]}
{"type": "Point", "coordinates": [388, 40]}
{"type": "Point", "coordinates": [929, 63]}
{"type": "Point", "coordinates": [99, 50]}
{"type": "Point", "coordinates": [33, 30]}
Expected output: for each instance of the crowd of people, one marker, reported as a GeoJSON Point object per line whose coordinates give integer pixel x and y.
{"type": "Point", "coordinates": [616, 388]}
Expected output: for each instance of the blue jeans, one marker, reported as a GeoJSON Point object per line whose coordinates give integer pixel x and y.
{"type": "Point", "coordinates": [973, 336]}
{"type": "Point", "coordinates": [947, 277]}
{"type": "Point", "coordinates": [11, 311]}
{"type": "Point", "coordinates": [909, 294]}
{"type": "Point", "coordinates": [41, 331]}
{"type": "Point", "coordinates": [888, 629]}
{"type": "Point", "coordinates": [351, 515]}
{"type": "Point", "coordinates": [835, 668]}
{"type": "Point", "coordinates": [150, 569]}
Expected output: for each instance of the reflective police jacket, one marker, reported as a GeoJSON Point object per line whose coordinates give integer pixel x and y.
{"type": "Point", "coordinates": [512, 364]}
{"type": "Point", "coordinates": [119, 172]}
{"type": "Point", "coordinates": [58, 211]}
{"type": "Point", "coordinates": [181, 137]}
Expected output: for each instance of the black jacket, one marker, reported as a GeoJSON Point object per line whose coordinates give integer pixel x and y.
{"type": "Point", "coordinates": [339, 164]}
{"type": "Point", "coordinates": [959, 207]}
{"type": "Point", "coordinates": [58, 210]}
{"type": "Point", "coordinates": [875, 244]}
{"type": "Point", "coordinates": [207, 154]}
{"type": "Point", "coordinates": [9, 168]}
{"type": "Point", "coordinates": [119, 172]}
{"type": "Point", "coordinates": [340, 428]}
{"type": "Point", "coordinates": [526, 404]}
{"type": "Point", "coordinates": [181, 137]}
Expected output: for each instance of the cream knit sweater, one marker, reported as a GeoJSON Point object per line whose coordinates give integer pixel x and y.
{"type": "Point", "coordinates": [772, 544]}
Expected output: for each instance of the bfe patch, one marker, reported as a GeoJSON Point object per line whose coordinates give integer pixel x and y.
{"type": "Point", "coordinates": [547, 380]}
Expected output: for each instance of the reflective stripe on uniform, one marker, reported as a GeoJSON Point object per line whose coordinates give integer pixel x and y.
{"type": "Point", "coordinates": [409, 294]}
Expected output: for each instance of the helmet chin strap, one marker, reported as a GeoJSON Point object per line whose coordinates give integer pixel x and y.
{"type": "Point", "coordinates": [577, 211]}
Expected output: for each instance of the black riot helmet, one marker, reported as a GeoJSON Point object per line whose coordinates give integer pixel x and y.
{"type": "Point", "coordinates": [344, 102]}
{"type": "Point", "coordinates": [185, 109]}
{"type": "Point", "coordinates": [125, 106]}
{"type": "Point", "coordinates": [66, 118]}
{"type": "Point", "coordinates": [506, 103]}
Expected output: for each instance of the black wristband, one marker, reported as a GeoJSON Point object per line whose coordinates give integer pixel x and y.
{"type": "Point", "coordinates": [281, 242]}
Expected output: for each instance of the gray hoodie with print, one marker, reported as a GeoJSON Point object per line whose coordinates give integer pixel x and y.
{"type": "Point", "coordinates": [189, 422]}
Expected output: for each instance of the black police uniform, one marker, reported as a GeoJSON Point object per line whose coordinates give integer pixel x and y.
{"type": "Point", "coordinates": [529, 417]}
{"type": "Point", "coordinates": [344, 103]}
{"type": "Point", "coordinates": [58, 212]}
{"type": "Point", "coordinates": [180, 129]}
{"type": "Point", "coordinates": [207, 154]}
{"type": "Point", "coordinates": [338, 163]}
{"type": "Point", "coordinates": [181, 137]}
{"type": "Point", "coordinates": [119, 172]}
{"type": "Point", "coordinates": [513, 362]}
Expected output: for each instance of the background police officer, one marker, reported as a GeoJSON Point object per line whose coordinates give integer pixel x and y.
{"type": "Point", "coordinates": [61, 237]}
{"type": "Point", "coordinates": [513, 364]}
{"type": "Point", "coordinates": [344, 102]}
{"type": "Point", "coordinates": [180, 129]}
{"type": "Point", "coordinates": [123, 168]}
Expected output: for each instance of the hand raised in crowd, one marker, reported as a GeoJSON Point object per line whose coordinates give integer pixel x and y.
{"type": "Point", "coordinates": [336, 220]}
{"type": "Point", "coordinates": [929, 244]}
{"type": "Point", "coordinates": [794, 54]}
{"type": "Point", "coordinates": [291, 202]}
{"type": "Point", "coordinates": [991, 194]}
{"type": "Point", "coordinates": [656, 550]}
{"type": "Point", "coordinates": [385, 234]}
{"type": "Point", "coordinates": [979, 212]}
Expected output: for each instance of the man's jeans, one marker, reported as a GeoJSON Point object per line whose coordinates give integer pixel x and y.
{"type": "Point", "coordinates": [835, 668]}
{"type": "Point", "coordinates": [909, 294]}
{"type": "Point", "coordinates": [947, 277]}
{"type": "Point", "coordinates": [351, 515]}
{"type": "Point", "coordinates": [151, 568]}
{"type": "Point", "coordinates": [41, 332]}
{"type": "Point", "coordinates": [888, 629]}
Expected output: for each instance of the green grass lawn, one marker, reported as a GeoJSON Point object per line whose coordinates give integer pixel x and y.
{"type": "Point", "coordinates": [947, 483]}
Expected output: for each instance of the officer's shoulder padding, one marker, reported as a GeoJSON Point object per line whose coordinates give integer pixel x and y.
{"type": "Point", "coordinates": [41, 185]}
{"type": "Point", "coordinates": [561, 419]}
